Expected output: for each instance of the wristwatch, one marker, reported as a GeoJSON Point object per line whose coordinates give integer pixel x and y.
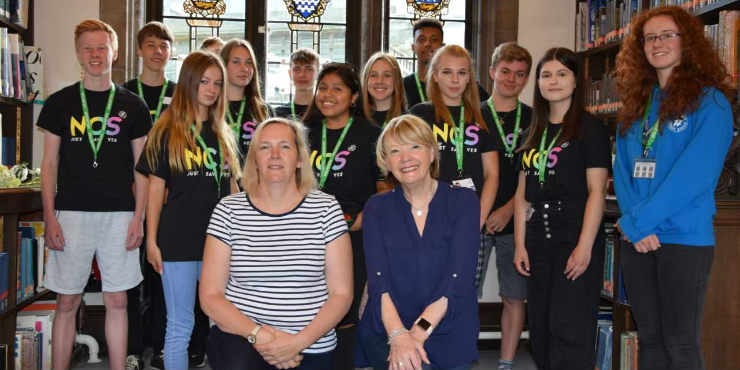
{"type": "Point", "coordinates": [252, 337]}
{"type": "Point", "coordinates": [424, 325]}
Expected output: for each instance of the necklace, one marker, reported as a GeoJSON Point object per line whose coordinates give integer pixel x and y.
{"type": "Point", "coordinates": [419, 211]}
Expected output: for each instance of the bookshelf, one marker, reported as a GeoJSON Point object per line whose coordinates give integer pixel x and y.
{"type": "Point", "coordinates": [16, 205]}
{"type": "Point", "coordinates": [720, 337]}
{"type": "Point", "coordinates": [17, 115]}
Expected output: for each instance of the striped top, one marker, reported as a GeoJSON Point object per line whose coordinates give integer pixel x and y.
{"type": "Point", "coordinates": [276, 274]}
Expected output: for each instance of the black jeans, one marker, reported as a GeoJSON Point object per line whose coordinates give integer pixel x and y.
{"type": "Point", "coordinates": [562, 313]}
{"type": "Point", "coordinates": [666, 291]}
{"type": "Point", "coordinates": [233, 352]}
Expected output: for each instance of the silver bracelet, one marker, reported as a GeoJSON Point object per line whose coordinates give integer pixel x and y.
{"type": "Point", "coordinates": [396, 333]}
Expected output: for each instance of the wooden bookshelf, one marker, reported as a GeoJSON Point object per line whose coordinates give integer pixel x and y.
{"type": "Point", "coordinates": [16, 205]}
{"type": "Point", "coordinates": [721, 320]}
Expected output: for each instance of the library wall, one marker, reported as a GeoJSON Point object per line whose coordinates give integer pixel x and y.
{"type": "Point", "coordinates": [542, 26]}
{"type": "Point", "coordinates": [54, 32]}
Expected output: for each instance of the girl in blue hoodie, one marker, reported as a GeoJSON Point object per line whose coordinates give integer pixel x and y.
{"type": "Point", "coordinates": [676, 128]}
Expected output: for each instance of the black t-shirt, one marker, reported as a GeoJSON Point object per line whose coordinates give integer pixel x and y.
{"type": "Point", "coordinates": [80, 187]}
{"type": "Point", "coordinates": [508, 177]}
{"type": "Point", "coordinates": [352, 179]}
{"type": "Point", "coordinates": [192, 196]}
{"type": "Point", "coordinates": [567, 163]}
{"type": "Point", "coordinates": [477, 141]}
{"type": "Point", "coordinates": [248, 125]}
{"type": "Point", "coordinates": [412, 91]}
{"type": "Point", "coordinates": [151, 95]}
{"type": "Point", "coordinates": [285, 112]}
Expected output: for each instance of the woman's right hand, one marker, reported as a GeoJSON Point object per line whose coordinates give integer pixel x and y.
{"type": "Point", "coordinates": [521, 261]}
{"type": "Point", "coordinates": [154, 256]}
{"type": "Point", "coordinates": [406, 353]}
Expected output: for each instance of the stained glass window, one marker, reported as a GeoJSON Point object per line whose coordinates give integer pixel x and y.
{"type": "Point", "coordinates": [317, 24]}
{"type": "Point", "coordinates": [400, 15]}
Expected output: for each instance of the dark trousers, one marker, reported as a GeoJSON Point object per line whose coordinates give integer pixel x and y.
{"type": "Point", "coordinates": [147, 315]}
{"type": "Point", "coordinates": [666, 291]}
{"type": "Point", "coordinates": [562, 313]}
{"type": "Point", "coordinates": [344, 358]}
{"type": "Point", "coordinates": [233, 352]}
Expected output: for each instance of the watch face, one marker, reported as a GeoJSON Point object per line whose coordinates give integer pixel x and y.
{"type": "Point", "coordinates": [423, 324]}
{"type": "Point", "coordinates": [251, 338]}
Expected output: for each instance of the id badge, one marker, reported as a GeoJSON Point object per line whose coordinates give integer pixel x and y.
{"type": "Point", "coordinates": [465, 182]}
{"type": "Point", "coordinates": [644, 168]}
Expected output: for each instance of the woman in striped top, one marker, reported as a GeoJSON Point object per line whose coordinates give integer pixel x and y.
{"type": "Point", "coordinates": [289, 280]}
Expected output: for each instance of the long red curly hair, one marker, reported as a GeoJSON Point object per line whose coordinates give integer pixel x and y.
{"type": "Point", "coordinates": [700, 67]}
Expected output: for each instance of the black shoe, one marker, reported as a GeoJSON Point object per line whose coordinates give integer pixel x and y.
{"type": "Point", "coordinates": [197, 360]}
{"type": "Point", "coordinates": [157, 361]}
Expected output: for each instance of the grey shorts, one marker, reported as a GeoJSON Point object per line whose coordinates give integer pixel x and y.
{"type": "Point", "coordinates": [88, 234]}
{"type": "Point", "coordinates": [511, 284]}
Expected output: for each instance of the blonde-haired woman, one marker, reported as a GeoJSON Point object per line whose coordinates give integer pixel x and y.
{"type": "Point", "coordinates": [383, 97]}
{"type": "Point", "coordinates": [421, 247]}
{"type": "Point", "coordinates": [246, 108]}
{"type": "Point", "coordinates": [289, 280]}
{"type": "Point", "coordinates": [191, 152]}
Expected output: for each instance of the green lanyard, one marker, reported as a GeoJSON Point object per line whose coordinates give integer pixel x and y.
{"type": "Point", "coordinates": [161, 97]}
{"type": "Point", "coordinates": [217, 171]}
{"type": "Point", "coordinates": [509, 148]}
{"type": "Point", "coordinates": [88, 125]}
{"type": "Point", "coordinates": [418, 87]}
{"type": "Point", "coordinates": [237, 125]}
{"type": "Point", "coordinates": [542, 163]}
{"type": "Point", "coordinates": [647, 143]}
{"type": "Point", "coordinates": [292, 110]}
{"type": "Point", "coordinates": [459, 148]}
{"type": "Point", "coordinates": [326, 163]}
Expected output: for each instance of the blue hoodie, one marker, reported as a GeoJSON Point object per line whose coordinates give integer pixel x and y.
{"type": "Point", "coordinates": [678, 203]}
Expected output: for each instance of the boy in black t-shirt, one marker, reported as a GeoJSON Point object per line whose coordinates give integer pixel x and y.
{"type": "Point", "coordinates": [304, 65]}
{"type": "Point", "coordinates": [93, 133]}
{"type": "Point", "coordinates": [507, 118]}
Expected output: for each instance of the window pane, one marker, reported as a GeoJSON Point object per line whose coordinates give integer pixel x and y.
{"type": "Point", "coordinates": [332, 44]}
{"type": "Point", "coordinates": [305, 39]}
{"type": "Point", "coordinates": [172, 7]}
{"type": "Point", "coordinates": [336, 12]}
{"type": "Point", "coordinates": [278, 42]}
{"type": "Point", "coordinates": [407, 66]}
{"type": "Point", "coordinates": [277, 82]}
{"type": "Point", "coordinates": [398, 8]}
{"type": "Point", "coordinates": [235, 9]}
{"type": "Point", "coordinates": [456, 10]}
{"type": "Point", "coordinates": [277, 11]}
{"type": "Point", "coordinates": [181, 31]}
{"type": "Point", "coordinates": [228, 31]}
{"type": "Point", "coordinates": [400, 37]}
{"type": "Point", "coordinates": [454, 33]}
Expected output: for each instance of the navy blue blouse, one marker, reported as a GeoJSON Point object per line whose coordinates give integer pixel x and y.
{"type": "Point", "coordinates": [418, 270]}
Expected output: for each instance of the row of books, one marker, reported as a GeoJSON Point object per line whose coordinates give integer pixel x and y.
{"type": "Point", "coordinates": [14, 79]}
{"type": "Point", "coordinates": [629, 350]}
{"type": "Point", "coordinates": [16, 11]}
{"type": "Point", "coordinates": [32, 347]}
{"type": "Point", "coordinates": [607, 286]}
{"type": "Point", "coordinates": [32, 257]}
{"type": "Point", "coordinates": [601, 96]}
{"type": "Point", "coordinates": [724, 37]}
{"type": "Point", "coordinates": [602, 21]}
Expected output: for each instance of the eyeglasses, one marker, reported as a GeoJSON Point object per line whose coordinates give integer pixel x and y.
{"type": "Point", "coordinates": [649, 39]}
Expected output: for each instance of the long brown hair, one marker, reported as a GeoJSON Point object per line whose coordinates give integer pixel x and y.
{"type": "Point", "coordinates": [399, 97]}
{"type": "Point", "coordinates": [571, 126]}
{"type": "Point", "coordinates": [173, 127]}
{"type": "Point", "coordinates": [700, 67]}
{"type": "Point", "coordinates": [470, 98]}
{"type": "Point", "coordinates": [254, 104]}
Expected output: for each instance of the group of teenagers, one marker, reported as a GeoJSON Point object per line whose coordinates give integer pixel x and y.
{"type": "Point", "coordinates": [354, 225]}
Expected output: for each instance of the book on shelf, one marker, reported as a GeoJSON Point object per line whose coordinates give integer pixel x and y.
{"type": "Point", "coordinates": [604, 345]}
{"type": "Point", "coordinates": [607, 287]}
{"type": "Point", "coordinates": [688, 5]}
{"type": "Point", "coordinates": [31, 259]}
{"type": "Point", "coordinates": [622, 293]}
{"type": "Point", "coordinates": [4, 291]}
{"type": "Point", "coordinates": [629, 351]}
{"type": "Point", "coordinates": [39, 317]}
{"type": "Point", "coordinates": [599, 22]}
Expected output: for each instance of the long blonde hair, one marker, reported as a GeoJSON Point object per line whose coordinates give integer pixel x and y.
{"type": "Point", "coordinates": [470, 98]}
{"type": "Point", "coordinates": [304, 177]}
{"type": "Point", "coordinates": [173, 127]}
{"type": "Point", "coordinates": [255, 104]}
{"type": "Point", "coordinates": [399, 97]}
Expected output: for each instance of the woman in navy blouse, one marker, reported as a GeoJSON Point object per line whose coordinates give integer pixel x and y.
{"type": "Point", "coordinates": [421, 243]}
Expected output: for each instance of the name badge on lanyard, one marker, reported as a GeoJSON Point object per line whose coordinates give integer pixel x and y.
{"type": "Point", "coordinates": [464, 182]}
{"type": "Point", "coordinates": [644, 168]}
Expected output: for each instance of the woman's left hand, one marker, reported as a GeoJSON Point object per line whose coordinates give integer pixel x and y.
{"type": "Point", "coordinates": [284, 348]}
{"type": "Point", "coordinates": [578, 262]}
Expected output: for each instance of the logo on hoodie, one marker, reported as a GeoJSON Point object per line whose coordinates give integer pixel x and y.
{"type": "Point", "coordinates": [678, 125]}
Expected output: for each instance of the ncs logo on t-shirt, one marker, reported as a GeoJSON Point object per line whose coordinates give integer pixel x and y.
{"type": "Point", "coordinates": [531, 158]}
{"type": "Point", "coordinates": [78, 128]}
{"type": "Point", "coordinates": [197, 159]}
{"type": "Point", "coordinates": [448, 133]}
{"type": "Point", "coordinates": [340, 160]}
